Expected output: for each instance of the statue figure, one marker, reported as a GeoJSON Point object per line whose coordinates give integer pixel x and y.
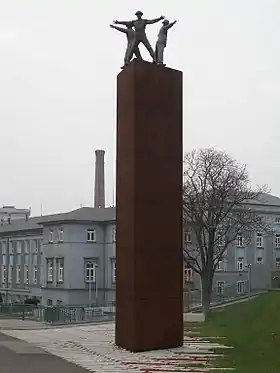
{"type": "Point", "coordinates": [140, 35]}
{"type": "Point", "coordinates": [130, 34]}
{"type": "Point", "coordinates": [162, 40]}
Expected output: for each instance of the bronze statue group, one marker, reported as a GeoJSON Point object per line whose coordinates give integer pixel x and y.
{"type": "Point", "coordinates": [136, 33]}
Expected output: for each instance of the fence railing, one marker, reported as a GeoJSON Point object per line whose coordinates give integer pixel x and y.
{"type": "Point", "coordinates": [57, 314]}
{"type": "Point", "coordinates": [61, 314]}
{"type": "Point", "coordinates": [220, 294]}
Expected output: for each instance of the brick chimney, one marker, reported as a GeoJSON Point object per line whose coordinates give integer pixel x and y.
{"type": "Point", "coordinates": [99, 187]}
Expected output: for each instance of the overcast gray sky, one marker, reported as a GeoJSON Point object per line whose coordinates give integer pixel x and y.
{"type": "Point", "coordinates": [58, 66]}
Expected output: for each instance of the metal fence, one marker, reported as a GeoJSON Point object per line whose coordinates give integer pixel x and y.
{"type": "Point", "coordinates": [220, 294]}
{"type": "Point", "coordinates": [58, 314]}
{"type": "Point", "coordinates": [61, 314]}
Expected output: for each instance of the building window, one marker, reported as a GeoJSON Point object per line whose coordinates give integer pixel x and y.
{"type": "Point", "coordinates": [50, 270]}
{"type": "Point", "coordinates": [35, 274]}
{"type": "Point", "coordinates": [35, 259]}
{"type": "Point", "coordinates": [240, 264]}
{"type": "Point", "coordinates": [26, 260]}
{"type": "Point", "coordinates": [13, 246]}
{"type": "Point", "coordinates": [114, 271]}
{"type": "Point", "coordinates": [188, 274]}
{"type": "Point", "coordinates": [10, 274]}
{"type": "Point", "coordinates": [240, 287]}
{"type": "Point", "coordinates": [36, 246]}
{"type": "Point", "coordinates": [11, 262]}
{"type": "Point", "coordinates": [18, 274]}
{"type": "Point", "coordinates": [277, 220]}
{"type": "Point", "coordinates": [60, 270]}
{"type": "Point", "coordinates": [19, 247]}
{"type": "Point", "coordinates": [114, 234]}
{"type": "Point", "coordinates": [221, 265]}
{"type": "Point", "coordinates": [51, 236]}
{"type": "Point", "coordinates": [26, 274]}
{"type": "Point", "coordinates": [4, 248]}
{"type": "Point", "coordinates": [91, 235]}
{"type": "Point", "coordinates": [240, 241]}
{"type": "Point", "coordinates": [4, 274]}
{"type": "Point", "coordinates": [60, 235]}
{"type": "Point", "coordinates": [90, 271]}
{"type": "Point", "coordinates": [4, 259]}
{"type": "Point", "coordinates": [27, 247]}
{"type": "Point", "coordinates": [187, 237]}
{"type": "Point", "coordinates": [18, 259]}
{"type": "Point", "coordinates": [277, 240]}
{"type": "Point", "coordinates": [259, 260]}
{"type": "Point", "coordinates": [259, 240]}
{"type": "Point", "coordinates": [277, 263]}
{"type": "Point", "coordinates": [220, 287]}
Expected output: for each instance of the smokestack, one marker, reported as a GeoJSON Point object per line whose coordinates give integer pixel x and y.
{"type": "Point", "coordinates": [99, 188]}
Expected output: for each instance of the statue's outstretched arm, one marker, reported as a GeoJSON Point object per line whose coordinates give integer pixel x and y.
{"type": "Point", "coordinates": [125, 23]}
{"type": "Point", "coordinates": [119, 28]}
{"type": "Point", "coordinates": [151, 21]}
{"type": "Point", "coordinates": [170, 25]}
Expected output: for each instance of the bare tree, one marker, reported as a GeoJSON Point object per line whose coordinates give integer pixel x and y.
{"type": "Point", "coordinates": [217, 200]}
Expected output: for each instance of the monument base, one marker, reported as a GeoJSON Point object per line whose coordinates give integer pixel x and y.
{"type": "Point", "coordinates": [149, 293]}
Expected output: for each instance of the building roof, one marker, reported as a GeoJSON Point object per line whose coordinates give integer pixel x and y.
{"type": "Point", "coordinates": [85, 214]}
{"type": "Point", "coordinates": [91, 214]}
{"type": "Point", "coordinates": [266, 200]}
{"type": "Point", "coordinates": [21, 225]}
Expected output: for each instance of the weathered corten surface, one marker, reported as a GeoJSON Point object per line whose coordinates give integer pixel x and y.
{"type": "Point", "coordinates": [149, 208]}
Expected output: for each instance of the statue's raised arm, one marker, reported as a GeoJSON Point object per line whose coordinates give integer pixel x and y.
{"type": "Point", "coordinates": [155, 20]}
{"type": "Point", "coordinates": [125, 23]}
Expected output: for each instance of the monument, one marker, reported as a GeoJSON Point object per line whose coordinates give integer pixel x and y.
{"type": "Point", "coordinates": [149, 257]}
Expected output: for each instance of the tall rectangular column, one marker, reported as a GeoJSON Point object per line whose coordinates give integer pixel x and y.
{"type": "Point", "coordinates": [149, 258]}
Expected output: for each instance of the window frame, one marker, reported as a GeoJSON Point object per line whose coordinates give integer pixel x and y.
{"type": "Point", "coordinates": [87, 270]}
{"type": "Point", "coordinates": [239, 261]}
{"type": "Point", "coordinates": [114, 234]}
{"type": "Point", "coordinates": [221, 287]}
{"type": "Point", "coordinates": [90, 233]}
{"type": "Point", "coordinates": [4, 273]}
{"type": "Point", "coordinates": [187, 274]}
{"type": "Point", "coordinates": [113, 271]}
{"type": "Point", "coordinates": [35, 277]}
{"type": "Point", "coordinates": [240, 240]}
{"type": "Point", "coordinates": [187, 236]}
{"type": "Point", "coordinates": [18, 274]}
{"type": "Point", "coordinates": [60, 270]}
{"type": "Point", "coordinates": [261, 243]}
{"type": "Point", "coordinates": [51, 236]}
{"type": "Point", "coordinates": [277, 240]}
{"type": "Point", "coordinates": [26, 275]}
{"type": "Point", "coordinates": [237, 289]}
{"type": "Point", "coordinates": [50, 268]}
{"type": "Point", "coordinates": [61, 235]}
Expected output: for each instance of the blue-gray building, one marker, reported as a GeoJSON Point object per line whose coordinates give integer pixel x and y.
{"type": "Point", "coordinates": [61, 259]}
{"type": "Point", "coordinates": [255, 264]}
{"type": "Point", "coordinates": [70, 258]}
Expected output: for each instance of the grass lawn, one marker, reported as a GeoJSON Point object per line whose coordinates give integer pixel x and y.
{"type": "Point", "coordinates": [252, 328]}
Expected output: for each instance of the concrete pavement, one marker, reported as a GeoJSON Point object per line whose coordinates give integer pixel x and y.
{"type": "Point", "coordinates": [17, 356]}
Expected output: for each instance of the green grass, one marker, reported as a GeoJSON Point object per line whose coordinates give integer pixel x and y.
{"type": "Point", "coordinates": [253, 329]}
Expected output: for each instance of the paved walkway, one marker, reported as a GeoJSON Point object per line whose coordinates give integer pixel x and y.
{"type": "Point", "coordinates": [92, 347]}
{"type": "Point", "coordinates": [17, 356]}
